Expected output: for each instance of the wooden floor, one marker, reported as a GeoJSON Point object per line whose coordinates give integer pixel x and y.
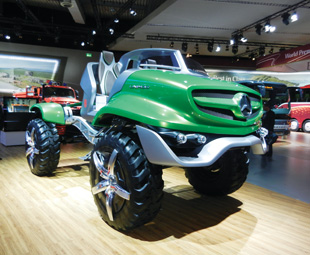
{"type": "Point", "coordinates": [57, 215]}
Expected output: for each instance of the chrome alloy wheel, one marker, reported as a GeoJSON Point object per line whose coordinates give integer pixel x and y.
{"type": "Point", "coordinates": [110, 183]}
{"type": "Point", "coordinates": [31, 150]}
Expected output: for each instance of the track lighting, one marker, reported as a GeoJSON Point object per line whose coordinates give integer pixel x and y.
{"type": "Point", "coordinates": [93, 32]}
{"type": "Point", "coordinates": [197, 49]}
{"type": "Point", "coordinates": [258, 29]}
{"type": "Point", "coordinates": [294, 17]}
{"type": "Point", "coordinates": [116, 20]}
{"type": "Point", "coordinates": [171, 44]}
{"type": "Point", "coordinates": [243, 39]}
{"type": "Point", "coordinates": [132, 12]}
{"type": "Point", "coordinates": [232, 41]}
{"type": "Point", "coordinates": [271, 51]}
{"type": "Point", "coordinates": [261, 51]}
{"type": "Point", "coordinates": [218, 48]}
{"type": "Point", "coordinates": [82, 44]}
{"type": "Point", "coordinates": [285, 18]}
{"type": "Point", "coordinates": [184, 46]}
{"type": "Point", "coordinates": [227, 48]}
{"type": "Point", "coordinates": [8, 37]}
{"type": "Point", "coordinates": [111, 30]}
{"type": "Point", "coordinates": [235, 49]}
{"type": "Point", "coordinates": [210, 46]}
{"type": "Point", "coordinates": [269, 28]}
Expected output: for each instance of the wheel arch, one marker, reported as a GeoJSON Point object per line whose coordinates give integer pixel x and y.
{"type": "Point", "coordinates": [49, 112]}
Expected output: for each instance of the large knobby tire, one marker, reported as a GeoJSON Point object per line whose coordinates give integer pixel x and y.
{"type": "Point", "coordinates": [222, 178]}
{"type": "Point", "coordinates": [294, 125]}
{"type": "Point", "coordinates": [42, 147]}
{"type": "Point", "coordinates": [306, 126]}
{"type": "Point", "coordinates": [124, 166]}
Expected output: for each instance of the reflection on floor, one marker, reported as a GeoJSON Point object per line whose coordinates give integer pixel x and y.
{"type": "Point", "coordinates": [288, 172]}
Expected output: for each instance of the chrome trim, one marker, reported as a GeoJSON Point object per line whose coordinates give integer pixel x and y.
{"type": "Point", "coordinates": [158, 152]}
{"type": "Point", "coordinates": [85, 128]}
{"type": "Point", "coordinates": [68, 115]}
{"type": "Point", "coordinates": [109, 183]}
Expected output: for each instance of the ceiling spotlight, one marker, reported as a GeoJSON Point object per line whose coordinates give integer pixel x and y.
{"type": "Point", "coordinates": [8, 37]}
{"type": "Point", "coordinates": [232, 41]}
{"type": "Point", "coordinates": [116, 20]}
{"type": "Point", "coordinates": [111, 30]}
{"type": "Point", "coordinates": [218, 48]}
{"type": "Point", "coordinates": [258, 29]}
{"type": "Point", "coordinates": [247, 49]}
{"type": "Point", "coordinates": [132, 12]}
{"type": "Point", "coordinates": [285, 18]}
{"type": "Point", "coordinates": [294, 17]}
{"type": "Point", "coordinates": [227, 48]}
{"type": "Point", "coordinates": [269, 28]}
{"type": "Point", "coordinates": [82, 44]}
{"type": "Point", "coordinates": [271, 51]}
{"type": "Point", "coordinates": [243, 39]}
{"type": "Point", "coordinates": [235, 49]}
{"type": "Point", "coordinates": [94, 32]}
{"type": "Point", "coordinates": [197, 49]}
{"type": "Point", "coordinates": [210, 46]}
{"type": "Point", "coordinates": [66, 3]}
{"type": "Point", "coordinates": [184, 46]}
{"type": "Point", "coordinates": [261, 51]}
{"type": "Point", "coordinates": [171, 44]}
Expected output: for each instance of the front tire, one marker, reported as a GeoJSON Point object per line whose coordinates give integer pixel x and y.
{"type": "Point", "coordinates": [42, 147]}
{"type": "Point", "coordinates": [127, 189]}
{"type": "Point", "coordinates": [223, 177]}
{"type": "Point", "coordinates": [294, 125]}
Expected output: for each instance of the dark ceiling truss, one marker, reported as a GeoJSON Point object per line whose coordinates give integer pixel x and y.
{"type": "Point", "coordinates": [215, 41]}
{"type": "Point", "coordinates": [272, 16]}
{"type": "Point", "coordinates": [27, 21]}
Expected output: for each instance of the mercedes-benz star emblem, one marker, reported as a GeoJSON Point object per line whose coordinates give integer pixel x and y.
{"type": "Point", "coordinates": [245, 105]}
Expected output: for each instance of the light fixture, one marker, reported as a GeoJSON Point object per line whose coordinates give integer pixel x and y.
{"type": "Point", "coordinates": [171, 44]}
{"type": "Point", "coordinates": [232, 41]}
{"type": "Point", "coordinates": [8, 37]}
{"type": "Point", "coordinates": [235, 49]}
{"type": "Point", "coordinates": [111, 30]}
{"type": "Point", "coordinates": [269, 28]}
{"type": "Point", "coordinates": [116, 20]}
{"type": "Point", "coordinates": [294, 17]}
{"type": "Point", "coordinates": [247, 49]}
{"type": "Point", "coordinates": [132, 12]}
{"type": "Point", "coordinates": [271, 51]}
{"type": "Point", "coordinates": [94, 32]}
{"type": "Point", "coordinates": [218, 48]}
{"type": "Point", "coordinates": [197, 49]}
{"type": "Point", "coordinates": [210, 46]}
{"type": "Point", "coordinates": [227, 48]}
{"type": "Point", "coordinates": [261, 51]}
{"type": "Point", "coordinates": [66, 3]}
{"type": "Point", "coordinates": [286, 18]}
{"type": "Point", "coordinates": [184, 46]}
{"type": "Point", "coordinates": [243, 39]}
{"type": "Point", "coordinates": [258, 29]}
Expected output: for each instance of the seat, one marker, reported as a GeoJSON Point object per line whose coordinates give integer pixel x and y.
{"type": "Point", "coordinates": [108, 71]}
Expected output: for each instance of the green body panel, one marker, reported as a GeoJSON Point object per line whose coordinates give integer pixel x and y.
{"type": "Point", "coordinates": [164, 99]}
{"type": "Point", "coordinates": [51, 112]}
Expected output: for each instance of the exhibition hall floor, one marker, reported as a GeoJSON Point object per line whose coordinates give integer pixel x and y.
{"type": "Point", "coordinates": [269, 214]}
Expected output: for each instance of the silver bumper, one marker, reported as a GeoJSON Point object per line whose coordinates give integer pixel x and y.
{"type": "Point", "coordinates": [158, 152]}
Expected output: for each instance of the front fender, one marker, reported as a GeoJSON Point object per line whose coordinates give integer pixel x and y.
{"type": "Point", "coordinates": [50, 112]}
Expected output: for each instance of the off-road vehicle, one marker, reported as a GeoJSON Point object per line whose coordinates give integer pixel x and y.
{"type": "Point", "coordinates": [147, 112]}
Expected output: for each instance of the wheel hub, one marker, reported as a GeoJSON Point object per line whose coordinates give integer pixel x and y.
{"type": "Point", "coordinates": [31, 150]}
{"type": "Point", "coordinates": [109, 184]}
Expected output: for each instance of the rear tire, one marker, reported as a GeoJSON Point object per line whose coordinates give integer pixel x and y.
{"type": "Point", "coordinates": [294, 125]}
{"type": "Point", "coordinates": [306, 126]}
{"type": "Point", "coordinates": [42, 147]}
{"type": "Point", "coordinates": [130, 172]}
{"type": "Point", "coordinates": [223, 177]}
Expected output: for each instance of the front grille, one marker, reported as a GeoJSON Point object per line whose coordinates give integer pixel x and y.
{"type": "Point", "coordinates": [227, 95]}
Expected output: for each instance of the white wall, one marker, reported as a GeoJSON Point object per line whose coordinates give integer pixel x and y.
{"type": "Point", "coordinates": [76, 59]}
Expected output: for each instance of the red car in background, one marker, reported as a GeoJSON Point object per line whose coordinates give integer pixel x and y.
{"type": "Point", "coordinates": [300, 108]}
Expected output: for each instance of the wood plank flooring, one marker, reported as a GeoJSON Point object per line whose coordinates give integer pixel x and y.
{"type": "Point", "coordinates": [57, 215]}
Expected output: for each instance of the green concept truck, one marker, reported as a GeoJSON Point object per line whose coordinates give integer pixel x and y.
{"type": "Point", "coordinates": [151, 110]}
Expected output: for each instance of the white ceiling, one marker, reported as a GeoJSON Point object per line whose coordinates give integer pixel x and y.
{"type": "Point", "coordinates": [217, 19]}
